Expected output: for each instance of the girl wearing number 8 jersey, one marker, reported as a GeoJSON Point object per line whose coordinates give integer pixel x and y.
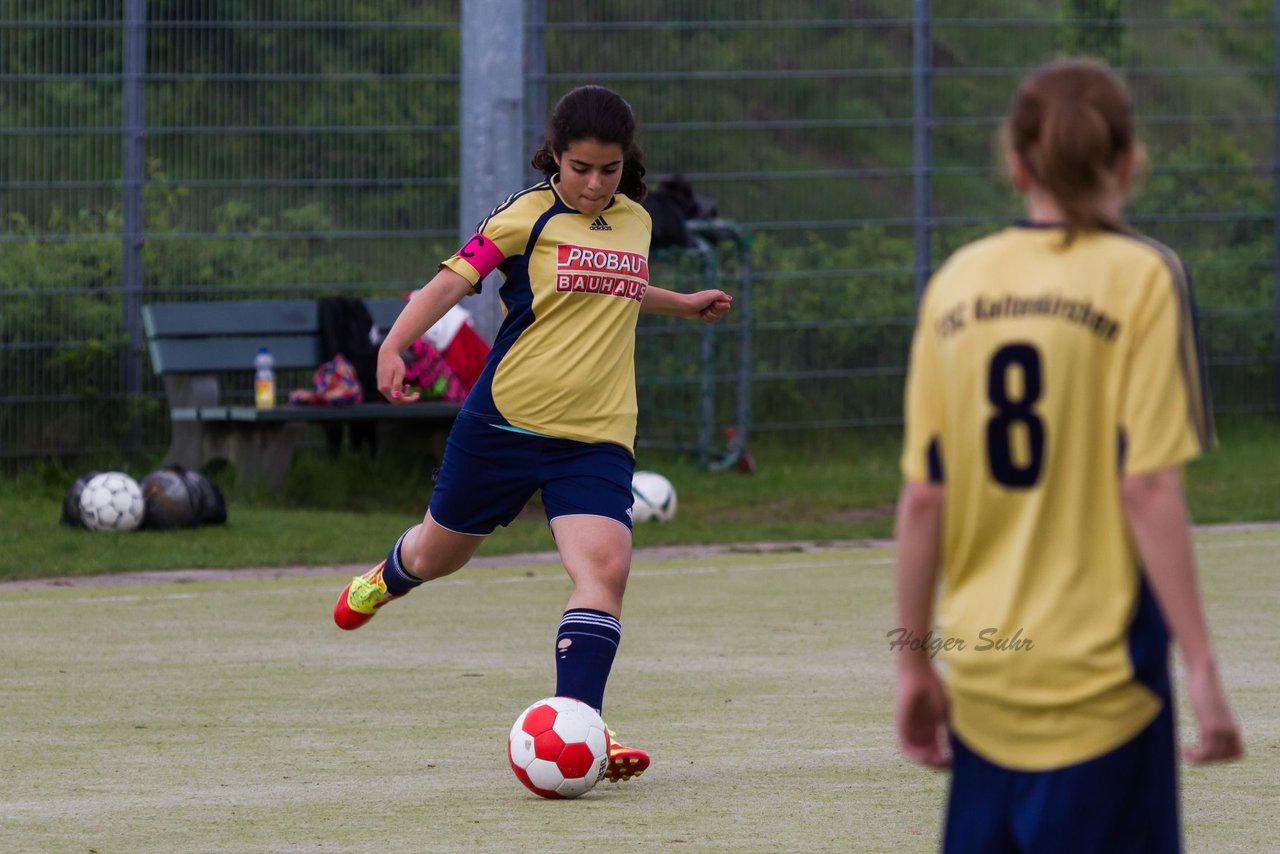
{"type": "Point", "coordinates": [1054, 392]}
{"type": "Point", "coordinates": [554, 410]}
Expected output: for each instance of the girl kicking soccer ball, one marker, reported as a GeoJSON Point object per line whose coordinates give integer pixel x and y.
{"type": "Point", "coordinates": [554, 410]}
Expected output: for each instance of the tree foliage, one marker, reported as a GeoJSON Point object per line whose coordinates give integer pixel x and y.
{"type": "Point", "coordinates": [313, 148]}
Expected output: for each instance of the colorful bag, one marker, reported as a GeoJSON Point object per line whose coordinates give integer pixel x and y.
{"type": "Point", "coordinates": [335, 385]}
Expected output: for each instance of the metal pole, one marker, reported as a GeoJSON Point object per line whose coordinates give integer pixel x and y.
{"type": "Point", "coordinates": [922, 190]}
{"type": "Point", "coordinates": [535, 80]}
{"type": "Point", "coordinates": [740, 319]}
{"type": "Point", "coordinates": [707, 357]}
{"type": "Point", "coordinates": [492, 124]}
{"type": "Point", "coordinates": [132, 233]}
{"type": "Point", "coordinates": [1275, 185]}
{"type": "Point", "coordinates": [743, 308]}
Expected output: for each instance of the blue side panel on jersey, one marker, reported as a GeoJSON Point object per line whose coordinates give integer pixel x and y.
{"type": "Point", "coordinates": [1149, 644]}
{"type": "Point", "coordinates": [517, 296]}
{"type": "Point", "coordinates": [937, 472]}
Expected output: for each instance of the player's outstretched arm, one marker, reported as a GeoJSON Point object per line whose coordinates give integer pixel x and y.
{"type": "Point", "coordinates": [430, 303]}
{"type": "Point", "coordinates": [921, 712]}
{"type": "Point", "coordinates": [1157, 514]}
{"type": "Point", "coordinates": [709, 305]}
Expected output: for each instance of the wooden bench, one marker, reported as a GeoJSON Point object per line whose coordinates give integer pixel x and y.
{"type": "Point", "coordinates": [195, 346]}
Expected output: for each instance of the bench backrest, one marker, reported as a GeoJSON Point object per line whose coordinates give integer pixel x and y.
{"type": "Point", "coordinates": [384, 311]}
{"type": "Point", "coordinates": [203, 338]}
{"type": "Point", "coordinates": [192, 343]}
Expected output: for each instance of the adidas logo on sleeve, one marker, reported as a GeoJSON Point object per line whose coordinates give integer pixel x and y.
{"type": "Point", "coordinates": [600, 224]}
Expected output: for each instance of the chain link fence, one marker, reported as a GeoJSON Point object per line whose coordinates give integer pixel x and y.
{"type": "Point", "coordinates": [165, 150]}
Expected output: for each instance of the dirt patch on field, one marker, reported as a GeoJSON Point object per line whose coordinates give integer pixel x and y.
{"type": "Point", "coordinates": [795, 511]}
{"type": "Point", "coordinates": [653, 553]}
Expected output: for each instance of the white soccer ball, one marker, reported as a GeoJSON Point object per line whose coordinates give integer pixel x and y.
{"type": "Point", "coordinates": [653, 498]}
{"type": "Point", "coordinates": [111, 501]}
{"type": "Point", "coordinates": [559, 748]}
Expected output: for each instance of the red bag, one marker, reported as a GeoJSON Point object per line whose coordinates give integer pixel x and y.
{"type": "Point", "coordinates": [430, 374]}
{"type": "Point", "coordinates": [466, 355]}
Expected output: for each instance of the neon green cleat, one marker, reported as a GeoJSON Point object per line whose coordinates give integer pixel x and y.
{"type": "Point", "coordinates": [624, 762]}
{"type": "Point", "coordinates": [361, 599]}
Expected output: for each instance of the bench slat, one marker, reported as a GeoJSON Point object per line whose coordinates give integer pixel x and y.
{"type": "Point", "coordinates": [206, 355]}
{"type": "Point", "coordinates": [170, 319]}
{"type": "Point", "coordinates": [362, 412]}
{"type": "Point", "coordinates": [428, 410]}
{"type": "Point", "coordinates": [384, 311]}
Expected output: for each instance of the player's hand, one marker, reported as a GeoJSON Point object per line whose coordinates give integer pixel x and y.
{"type": "Point", "coordinates": [711, 305]}
{"type": "Point", "coordinates": [391, 377]}
{"type": "Point", "coordinates": [1220, 739]}
{"type": "Point", "coordinates": [922, 717]}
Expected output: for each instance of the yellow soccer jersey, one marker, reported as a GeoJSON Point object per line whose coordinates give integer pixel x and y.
{"type": "Point", "coordinates": [1039, 376]}
{"type": "Point", "coordinates": [563, 362]}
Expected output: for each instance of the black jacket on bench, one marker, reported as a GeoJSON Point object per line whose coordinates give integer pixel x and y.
{"type": "Point", "coordinates": [345, 326]}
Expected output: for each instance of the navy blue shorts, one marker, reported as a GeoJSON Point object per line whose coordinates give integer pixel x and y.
{"type": "Point", "coordinates": [489, 473]}
{"type": "Point", "coordinates": [1125, 800]}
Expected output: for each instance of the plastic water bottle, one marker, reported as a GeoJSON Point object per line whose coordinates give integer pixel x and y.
{"type": "Point", "coordinates": [264, 379]}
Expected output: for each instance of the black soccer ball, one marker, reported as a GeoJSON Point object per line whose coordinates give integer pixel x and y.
{"type": "Point", "coordinates": [71, 501]}
{"type": "Point", "coordinates": [211, 507]}
{"type": "Point", "coordinates": [169, 500]}
{"type": "Point", "coordinates": [179, 497]}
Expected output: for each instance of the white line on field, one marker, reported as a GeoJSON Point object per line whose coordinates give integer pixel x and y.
{"type": "Point", "coordinates": [519, 579]}
{"type": "Point", "coordinates": [1229, 544]}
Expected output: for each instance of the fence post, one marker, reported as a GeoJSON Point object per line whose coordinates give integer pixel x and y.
{"type": "Point", "coordinates": [1275, 203]}
{"type": "Point", "coordinates": [922, 173]}
{"type": "Point", "coordinates": [535, 77]}
{"type": "Point", "coordinates": [132, 232]}
{"type": "Point", "coordinates": [492, 125]}
{"type": "Point", "coordinates": [707, 356]}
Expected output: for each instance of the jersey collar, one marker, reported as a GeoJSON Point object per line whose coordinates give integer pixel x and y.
{"type": "Point", "coordinates": [1051, 226]}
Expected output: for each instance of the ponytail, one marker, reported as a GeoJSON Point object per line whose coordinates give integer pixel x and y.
{"type": "Point", "coordinates": [1071, 124]}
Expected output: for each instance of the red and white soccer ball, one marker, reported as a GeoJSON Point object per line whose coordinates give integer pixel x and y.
{"type": "Point", "coordinates": [111, 501]}
{"type": "Point", "coordinates": [559, 748]}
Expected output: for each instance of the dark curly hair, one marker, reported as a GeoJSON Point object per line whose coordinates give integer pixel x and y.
{"type": "Point", "coordinates": [594, 112]}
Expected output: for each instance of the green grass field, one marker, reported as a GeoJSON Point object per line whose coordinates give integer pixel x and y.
{"type": "Point", "coordinates": [231, 716]}
{"type": "Point", "coordinates": [350, 509]}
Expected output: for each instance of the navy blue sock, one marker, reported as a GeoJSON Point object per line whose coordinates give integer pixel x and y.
{"type": "Point", "coordinates": [394, 575]}
{"type": "Point", "coordinates": [585, 647]}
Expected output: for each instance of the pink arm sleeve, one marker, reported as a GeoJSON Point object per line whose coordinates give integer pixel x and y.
{"type": "Point", "coordinates": [482, 254]}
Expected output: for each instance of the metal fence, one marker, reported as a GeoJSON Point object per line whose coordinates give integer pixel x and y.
{"type": "Point", "coordinates": [173, 150]}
